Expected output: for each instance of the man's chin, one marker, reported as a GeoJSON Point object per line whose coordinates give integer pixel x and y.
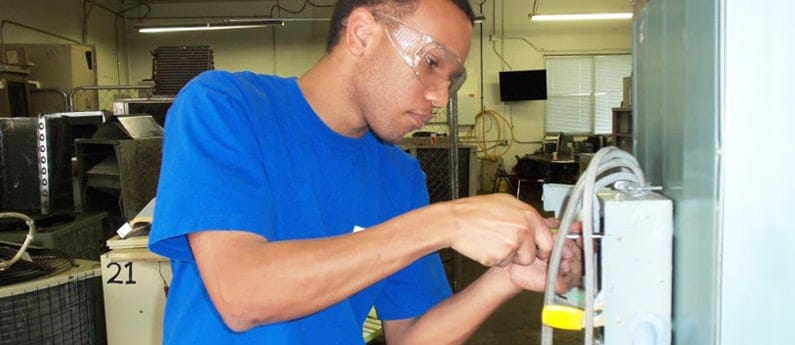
{"type": "Point", "coordinates": [390, 139]}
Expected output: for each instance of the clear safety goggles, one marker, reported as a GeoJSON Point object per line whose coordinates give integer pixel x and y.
{"type": "Point", "coordinates": [432, 63]}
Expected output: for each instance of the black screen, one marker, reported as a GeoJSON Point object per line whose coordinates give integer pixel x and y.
{"type": "Point", "coordinates": [523, 85]}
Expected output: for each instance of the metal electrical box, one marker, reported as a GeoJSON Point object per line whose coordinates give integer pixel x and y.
{"type": "Point", "coordinates": [636, 267]}
{"type": "Point", "coordinates": [63, 67]}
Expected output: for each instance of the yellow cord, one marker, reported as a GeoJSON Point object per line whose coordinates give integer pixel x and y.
{"type": "Point", "coordinates": [485, 122]}
{"type": "Point", "coordinates": [562, 317]}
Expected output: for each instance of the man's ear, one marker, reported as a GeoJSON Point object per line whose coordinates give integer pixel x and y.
{"type": "Point", "coordinates": [359, 31]}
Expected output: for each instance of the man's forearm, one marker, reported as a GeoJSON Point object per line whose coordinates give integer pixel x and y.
{"type": "Point", "coordinates": [454, 320]}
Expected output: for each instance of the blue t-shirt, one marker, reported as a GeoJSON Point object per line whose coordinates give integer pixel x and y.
{"type": "Point", "coordinates": [246, 152]}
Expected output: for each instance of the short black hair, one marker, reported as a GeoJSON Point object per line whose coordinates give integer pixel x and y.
{"type": "Point", "coordinates": [343, 8]}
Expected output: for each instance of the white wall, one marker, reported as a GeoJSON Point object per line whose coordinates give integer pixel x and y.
{"type": "Point", "coordinates": [65, 18]}
{"type": "Point", "coordinates": [506, 31]}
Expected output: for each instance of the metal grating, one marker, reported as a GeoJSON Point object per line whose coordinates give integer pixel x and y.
{"type": "Point", "coordinates": [65, 311]}
{"type": "Point", "coordinates": [435, 162]}
{"type": "Point", "coordinates": [173, 67]}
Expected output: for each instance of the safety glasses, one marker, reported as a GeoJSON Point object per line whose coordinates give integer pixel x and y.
{"type": "Point", "coordinates": [432, 63]}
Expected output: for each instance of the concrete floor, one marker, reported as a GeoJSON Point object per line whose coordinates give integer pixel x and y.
{"type": "Point", "coordinates": [518, 321]}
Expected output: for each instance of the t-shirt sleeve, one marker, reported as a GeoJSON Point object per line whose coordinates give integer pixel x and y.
{"type": "Point", "coordinates": [212, 175]}
{"type": "Point", "coordinates": [418, 287]}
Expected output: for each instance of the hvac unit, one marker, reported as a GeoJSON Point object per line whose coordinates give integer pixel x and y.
{"type": "Point", "coordinates": [173, 67]}
{"type": "Point", "coordinates": [35, 160]}
{"type": "Point", "coordinates": [50, 300]}
{"type": "Point", "coordinates": [77, 235]}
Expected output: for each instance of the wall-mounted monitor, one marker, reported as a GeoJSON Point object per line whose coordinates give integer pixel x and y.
{"type": "Point", "coordinates": [523, 85]}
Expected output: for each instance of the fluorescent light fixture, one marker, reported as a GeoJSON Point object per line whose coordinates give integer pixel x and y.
{"type": "Point", "coordinates": [584, 16]}
{"type": "Point", "coordinates": [222, 25]}
{"type": "Point", "coordinates": [151, 30]}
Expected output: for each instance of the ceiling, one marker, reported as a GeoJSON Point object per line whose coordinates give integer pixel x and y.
{"type": "Point", "coordinates": [580, 6]}
{"type": "Point", "coordinates": [543, 6]}
{"type": "Point", "coordinates": [514, 13]}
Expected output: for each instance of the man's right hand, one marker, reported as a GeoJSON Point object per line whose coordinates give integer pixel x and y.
{"type": "Point", "coordinates": [497, 229]}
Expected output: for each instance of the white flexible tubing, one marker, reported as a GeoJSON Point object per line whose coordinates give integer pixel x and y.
{"type": "Point", "coordinates": [6, 264]}
{"type": "Point", "coordinates": [589, 219]}
{"type": "Point", "coordinates": [612, 158]}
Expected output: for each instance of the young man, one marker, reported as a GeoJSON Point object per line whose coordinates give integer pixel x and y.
{"type": "Point", "coordinates": [288, 212]}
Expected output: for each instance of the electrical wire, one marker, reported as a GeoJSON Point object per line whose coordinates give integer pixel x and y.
{"type": "Point", "coordinates": [5, 264]}
{"type": "Point", "coordinates": [494, 48]}
{"type": "Point", "coordinates": [279, 7]}
{"type": "Point", "coordinates": [6, 21]}
{"type": "Point", "coordinates": [609, 166]}
{"type": "Point", "coordinates": [534, 9]}
{"type": "Point", "coordinates": [537, 49]}
{"type": "Point", "coordinates": [490, 121]}
{"type": "Point", "coordinates": [494, 32]}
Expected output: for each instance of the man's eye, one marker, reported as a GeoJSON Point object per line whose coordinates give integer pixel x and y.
{"type": "Point", "coordinates": [432, 62]}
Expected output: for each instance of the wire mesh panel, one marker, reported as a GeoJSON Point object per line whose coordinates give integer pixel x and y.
{"type": "Point", "coordinates": [65, 309]}
{"type": "Point", "coordinates": [435, 162]}
{"type": "Point", "coordinates": [433, 155]}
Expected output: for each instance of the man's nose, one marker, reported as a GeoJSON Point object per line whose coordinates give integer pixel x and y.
{"type": "Point", "coordinates": [438, 96]}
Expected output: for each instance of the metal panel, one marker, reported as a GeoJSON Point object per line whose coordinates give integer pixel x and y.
{"type": "Point", "coordinates": [19, 185]}
{"type": "Point", "coordinates": [758, 124]}
{"type": "Point", "coordinates": [35, 157]}
{"type": "Point", "coordinates": [676, 84]}
{"type": "Point", "coordinates": [118, 176]}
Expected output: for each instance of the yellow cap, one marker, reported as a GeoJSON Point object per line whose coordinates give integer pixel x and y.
{"type": "Point", "coordinates": [563, 317]}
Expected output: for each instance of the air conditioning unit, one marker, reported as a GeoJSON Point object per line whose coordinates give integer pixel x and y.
{"type": "Point", "coordinates": [63, 308]}
{"type": "Point", "coordinates": [35, 159]}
